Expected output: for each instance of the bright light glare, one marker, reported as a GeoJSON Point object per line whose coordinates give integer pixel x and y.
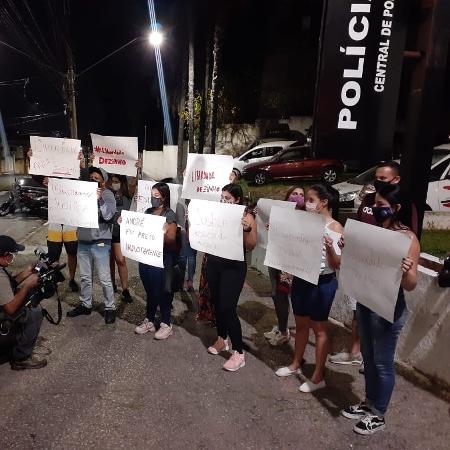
{"type": "Point", "coordinates": [156, 38]}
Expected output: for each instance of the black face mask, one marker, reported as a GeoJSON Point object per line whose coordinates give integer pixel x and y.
{"type": "Point", "coordinates": [378, 184]}
{"type": "Point", "coordinates": [156, 202]}
{"type": "Point", "coordinates": [382, 213]}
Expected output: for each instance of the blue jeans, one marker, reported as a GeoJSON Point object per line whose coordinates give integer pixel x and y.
{"type": "Point", "coordinates": [96, 256]}
{"type": "Point", "coordinates": [378, 342]}
{"type": "Point", "coordinates": [158, 294]}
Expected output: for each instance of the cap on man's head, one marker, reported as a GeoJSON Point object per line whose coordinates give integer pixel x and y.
{"type": "Point", "coordinates": [100, 171]}
{"type": "Point", "coordinates": [9, 245]}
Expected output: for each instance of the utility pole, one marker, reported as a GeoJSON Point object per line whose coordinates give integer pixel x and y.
{"type": "Point", "coordinates": [70, 88]}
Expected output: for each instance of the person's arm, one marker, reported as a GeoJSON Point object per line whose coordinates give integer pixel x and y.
{"type": "Point", "coordinates": [19, 299]}
{"type": "Point", "coordinates": [170, 235]}
{"type": "Point", "coordinates": [410, 263]}
{"type": "Point", "coordinates": [334, 259]}
{"type": "Point", "coordinates": [249, 227]}
{"type": "Point", "coordinates": [106, 203]}
{"type": "Point", "coordinates": [24, 274]}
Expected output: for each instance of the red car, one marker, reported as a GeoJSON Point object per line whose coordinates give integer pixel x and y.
{"type": "Point", "coordinates": [291, 164]}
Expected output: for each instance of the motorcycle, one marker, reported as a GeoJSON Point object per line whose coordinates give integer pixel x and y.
{"type": "Point", "coordinates": [28, 195]}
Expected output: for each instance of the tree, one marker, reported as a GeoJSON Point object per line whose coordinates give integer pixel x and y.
{"type": "Point", "coordinates": [191, 78]}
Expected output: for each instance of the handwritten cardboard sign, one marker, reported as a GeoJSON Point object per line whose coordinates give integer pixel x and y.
{"type": "Point", "coordinates": [295, 243]}
{"type": "Point", "coordinates": [142, 237]}
{"type": "Point", "coordinates": [206, 175]}
{"type": "Point", "coordinates": [264, 206]}
{"type": "Point", "coordinates": [72, 202]}
{"type": "Point", "coordinates": [115, 154]}
{"type": "Point", "coordinates": [216, 228]}
{"type": "Point", "coordinates": [371, 266]}
{"type": "Point", "coordinates": [55, 157]}
{"type": "Point", "coordinates": [160, 165]}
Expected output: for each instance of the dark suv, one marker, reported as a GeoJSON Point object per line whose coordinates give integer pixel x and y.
{"type": "Point", "coordinates": [293, 163]}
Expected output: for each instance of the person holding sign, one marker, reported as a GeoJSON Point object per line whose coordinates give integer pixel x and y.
{"type": "Point", "coordinates": [311, 303]}
{"type": "Point", "coordinates": [94, 247]}
{"type": "Point", "coordinates": [225, 279]}
{"type": "Point", "coordinates": [281, 283]}
{"type": "Point", "coordinates": [379, 336]}
{"type": "Point", "coordinates": [158, 281]}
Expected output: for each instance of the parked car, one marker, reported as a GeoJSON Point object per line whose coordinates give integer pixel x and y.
{"type": "Point", "coordinates": [261, 152]}
{"type": "Point", "coordinates": [353, 191]}
{"type": "Point", "coordinates": [293, 163]}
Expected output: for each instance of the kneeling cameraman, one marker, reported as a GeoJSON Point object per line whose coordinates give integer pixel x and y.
{"type": "Point", "coordinates": [19, 325]}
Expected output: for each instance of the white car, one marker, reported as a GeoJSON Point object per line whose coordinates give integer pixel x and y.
{"type": "Point", "coordinates": [353, 191]}
{"type": "Point", "coordinates": [260, 153]}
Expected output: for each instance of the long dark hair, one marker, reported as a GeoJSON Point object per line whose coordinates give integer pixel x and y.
{"type": "Point", "coordinates": [236, 191]}
{"type": "Point", "coordinates": [326, 192]}
{"type": "Point", "coordinates": [394, 196]}
{"type": "Point", "coordinates": [164, 190]}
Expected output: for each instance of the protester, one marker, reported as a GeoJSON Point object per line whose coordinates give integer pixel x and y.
{"type": "Point", "coordinates": [387, 173]}
{"type": "Point", "coordinates": [19, 325]}
{"type": "Point", "coordinates": [225, 280]}
{"type": "Point", "coordinates": [188, 258]}
{"type": "Point", "coordinates": [281, 283]}
{"type": "Point", "coordinates": [378, 336]}
{"type": "Point", "coordinates": [94, 248]}
{"type": "Point", "coordinates": [158, 281]}
{"type": "Point", "coordinates": [119, 186]}
{"type": "Point", "coordinates": [311, 303]}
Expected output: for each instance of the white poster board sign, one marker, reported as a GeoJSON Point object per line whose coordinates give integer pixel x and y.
{"type": "Point", "coordinates": [295, 243]}
{"type": "Point", "coordinates": [176, 203]}
{"type": "Point", "coordinates": [115, 154]}
{"type": "Point", "coordinates": [216, 228]}
{"type": "Point", "coordinates": [160, 165]}
{"type": "Point", "coordinates": [262, 218]}
{"type": "Point", "coordinates": [142, 237]}
{"type": "Point", "coordinates": [55, 157]}
{"type": "Point", "coordinates": [72, 202]}
{"type": "Point", "coordinates": [371, 266]}
{"type": "Point", "coordinates": [206, 175]}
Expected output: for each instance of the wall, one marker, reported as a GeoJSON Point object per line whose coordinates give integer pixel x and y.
{"type": "Point", "coordinates": [424, 342]}
{"type": "Point", "coordinates": [299, 123]}
{"type": "Point", "coordinates": [234, 139]}
{"type": "Point", "coordinates": [436, 220]}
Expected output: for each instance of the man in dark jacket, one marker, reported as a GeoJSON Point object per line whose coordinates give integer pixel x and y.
{"type": "Point", "coordinates": [94, 248]}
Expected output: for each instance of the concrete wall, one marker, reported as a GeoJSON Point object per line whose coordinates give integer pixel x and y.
{"type": "Point", "coordinates": [436, 220]}
{"type": "Point", "coordinates": [424, 343]}
{"type": "Point", "coordinates": [233, 139]}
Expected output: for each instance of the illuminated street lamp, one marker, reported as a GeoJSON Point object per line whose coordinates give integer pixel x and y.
{"type": "Point", "coordinates": [156, 38]}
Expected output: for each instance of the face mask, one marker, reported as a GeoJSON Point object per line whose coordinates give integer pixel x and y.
{"type": "Point", "coordinates": [156, 202]}
{"type": "Point", "coordinates": [297, 199]}
{"type": "Point", "coordinates": [382, 213]}
{"type": "Point", "coordinates": [378, 184]}
{"type": "Point", "coordinates": [311, 207]}
{"type": "Point", "coordinates": [115, 187]}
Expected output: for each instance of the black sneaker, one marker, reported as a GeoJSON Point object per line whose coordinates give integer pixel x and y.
{"type": "Point", "coordinates": [110, 316]}
{"type": "Point", "coordinates": [79, 310]}
{"type": "Point", "coordinates": [74, 286]}
{"type": "Point", "coordinates": [356, 411]}
{"type": "Point", "coordinates": [33, 362]}
{"type": "Point", "coordinates": [370, 425]}
{"type": "Point", "coordinates": [126, 296]}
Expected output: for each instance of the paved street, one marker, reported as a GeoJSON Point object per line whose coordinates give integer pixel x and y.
{"type": "Point", "coordinates": [105, 387]}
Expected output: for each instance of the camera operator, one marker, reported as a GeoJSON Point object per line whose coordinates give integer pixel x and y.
{"type": "Point", "coordinates": [19, 325]}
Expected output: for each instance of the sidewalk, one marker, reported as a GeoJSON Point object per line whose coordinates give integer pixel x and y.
{"type": "Point", "coordinates": [107, 388]}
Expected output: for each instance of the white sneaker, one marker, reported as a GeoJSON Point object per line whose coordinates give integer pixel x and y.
{"type": "Point", "coordinates": [286, 372]}
{"type": "Point", "coordinates": [346, 358]}
{"type": "Point", "coordinates": [309, 386]}
{"type": "Point", "coordinates": [272, 333]}
{"type": "Point", "coordinates": [145, 327]}
{"type": "Point", "coordinates": [164, 331]}
{"type": "Point", "coordinates": [280, 339]}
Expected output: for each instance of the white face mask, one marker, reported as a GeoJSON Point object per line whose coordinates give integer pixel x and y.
{"type": "Point", "coordinates": [115, 187]}
{"type": "Point", "coordinates": [311, 207]}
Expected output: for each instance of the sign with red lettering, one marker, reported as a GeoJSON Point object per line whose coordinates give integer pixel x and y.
{"type": "Point", "coordinates": [115, 154]}
{"type": "Point", "coordinates": [206, 175]}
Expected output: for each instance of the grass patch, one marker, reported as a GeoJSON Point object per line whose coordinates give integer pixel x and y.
{"type": "Point", "coordinates": [435, 242]}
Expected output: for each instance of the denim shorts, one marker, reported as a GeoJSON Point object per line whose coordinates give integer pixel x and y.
{"type": "Point", "coordinates": [309, 300]}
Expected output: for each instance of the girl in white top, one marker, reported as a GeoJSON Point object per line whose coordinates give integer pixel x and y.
{"type": "Point", "coordinates": [311, 303]}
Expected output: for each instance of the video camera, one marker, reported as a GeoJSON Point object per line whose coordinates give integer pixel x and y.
{"type": "Point", "coordinates": [49, 276]}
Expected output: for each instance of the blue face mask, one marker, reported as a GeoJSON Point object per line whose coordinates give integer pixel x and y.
{"type": "Point", "coordinates": [382, 213]}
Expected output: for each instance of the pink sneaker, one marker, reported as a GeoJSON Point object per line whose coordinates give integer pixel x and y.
{"type": "Point", "coordinates": [220, 345]}
{"type": "Point", "coordinates": [236, 361]}
{"type": "Point", "coordinates": [145, 327]}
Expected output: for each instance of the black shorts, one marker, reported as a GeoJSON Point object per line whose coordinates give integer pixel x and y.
{"type": "Point", "coordinates": [309, 300]}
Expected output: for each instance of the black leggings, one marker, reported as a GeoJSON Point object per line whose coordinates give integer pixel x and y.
{"type": "Point", "coordinates": [225, 280]}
